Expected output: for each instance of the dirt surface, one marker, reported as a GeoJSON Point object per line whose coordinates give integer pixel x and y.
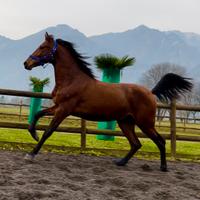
{"type": "Point", "coordinates": [74, 177]}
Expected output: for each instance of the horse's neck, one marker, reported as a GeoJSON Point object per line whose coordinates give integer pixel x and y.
{"type": "Point", "coordinates": [62, 74]}
{"type": "Point", "coordinates": [67, 73]}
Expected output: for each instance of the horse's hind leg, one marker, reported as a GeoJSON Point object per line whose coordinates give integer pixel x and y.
{"type": "Point", "coordinates": [127, 126]}
{"type": "Point", "coordinates": [160, 142]}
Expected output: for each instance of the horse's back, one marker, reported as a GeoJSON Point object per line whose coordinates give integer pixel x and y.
{"type": "Point", "coordinates": [142, 103]}
{"type": "Point", "coordinates": [104, 101]}
{"type": "Point", "coordinates": [133, 95]}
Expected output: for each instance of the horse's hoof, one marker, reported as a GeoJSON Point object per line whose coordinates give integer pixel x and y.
{"type": "Point", "coordinates": [163, 169]}
{"type": "Point", "coordinates": [120, 162]}
{"type": "Point", "coordinates": [33, 134]}
{"type": "Point", "coordinates": [29, 157]}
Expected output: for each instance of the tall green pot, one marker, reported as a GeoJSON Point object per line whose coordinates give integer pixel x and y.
{"type": "Point", "coordinates": [110, 75]}
{"type": "Point", "coordinates": [35, 104]}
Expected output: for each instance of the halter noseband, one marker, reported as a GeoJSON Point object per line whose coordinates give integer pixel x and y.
{"type": "Point", "coordinates": [46, 58]}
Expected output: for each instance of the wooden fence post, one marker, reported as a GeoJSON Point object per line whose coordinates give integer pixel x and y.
{"type": "Point", "coordinates": [20, 109]}
{"type": "Point", "coordinates": [173, 127]}
{"type": "Point", "coordinates": [83, 134]}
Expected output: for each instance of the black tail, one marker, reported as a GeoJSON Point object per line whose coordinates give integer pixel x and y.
{"type": "Point", "coordinates": [171, 86]}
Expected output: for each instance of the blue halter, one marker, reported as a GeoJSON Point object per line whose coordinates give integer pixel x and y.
{"type": "Point", "coordinates": [46, 58]}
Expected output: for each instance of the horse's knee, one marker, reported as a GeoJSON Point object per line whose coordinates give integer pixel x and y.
{"type": "Point", "coordinates": [137, 145]}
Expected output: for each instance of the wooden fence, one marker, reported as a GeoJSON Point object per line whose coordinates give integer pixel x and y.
{"type": "Point", "coordinates": [83, 130]}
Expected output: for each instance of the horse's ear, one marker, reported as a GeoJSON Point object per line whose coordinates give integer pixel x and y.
{"type": "Point", "coordinates": [47, 37]}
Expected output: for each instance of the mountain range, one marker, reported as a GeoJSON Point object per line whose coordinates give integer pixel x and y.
{"type": "Point", "coordinates": [149, 46]}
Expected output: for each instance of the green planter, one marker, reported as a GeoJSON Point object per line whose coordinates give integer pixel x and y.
{"type": "Point", "coordinates": [35, 104]}
{"type": "Point", "coordinates": [110, 75]}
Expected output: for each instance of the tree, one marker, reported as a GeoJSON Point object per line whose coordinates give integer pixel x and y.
{"type": "Point", "coordinates": [154, 74]}
{"type": "Point", "coordinates": [187, 99]}
{"type": "Point", "coordinates": [192, 98]}
{"type": "Point", "coordinates": [196, 93]}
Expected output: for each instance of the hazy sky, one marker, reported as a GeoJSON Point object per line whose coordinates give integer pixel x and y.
{"type": "Point", "coordinates": [19, 18]}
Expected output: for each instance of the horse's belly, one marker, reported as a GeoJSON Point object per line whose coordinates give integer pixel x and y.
{"type": "Point", "coordinates": [100, 113]}
{"type": "Point", "coordinates": [95, 117]}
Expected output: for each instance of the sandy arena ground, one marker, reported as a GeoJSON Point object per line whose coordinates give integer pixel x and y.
{"type": "Point", "coordinates": [74, 177]}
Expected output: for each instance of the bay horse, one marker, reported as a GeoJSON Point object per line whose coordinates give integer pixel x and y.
{"type": "Point", "coordinates": [78, 93]}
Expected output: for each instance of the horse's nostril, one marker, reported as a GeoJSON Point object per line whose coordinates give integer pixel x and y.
{"type": "Point", "coordinates": [26, 65]}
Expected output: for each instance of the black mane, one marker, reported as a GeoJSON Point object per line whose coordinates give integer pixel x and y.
{"type": "Point", "coordinates": [83, 65]}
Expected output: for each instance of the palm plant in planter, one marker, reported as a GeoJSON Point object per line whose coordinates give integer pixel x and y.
{"type": "Point", "coordinates": [37, 86]}
{"type": "Point", "coordinates": [111, 67]}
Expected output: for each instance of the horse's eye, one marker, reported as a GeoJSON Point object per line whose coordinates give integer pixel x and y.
{"type": "Point", "coordinates": [43, 47]}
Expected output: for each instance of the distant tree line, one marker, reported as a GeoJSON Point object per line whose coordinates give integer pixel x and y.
{"type": "Point", "coordinates": [23, 100]}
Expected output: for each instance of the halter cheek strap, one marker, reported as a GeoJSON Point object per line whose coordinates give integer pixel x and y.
{"type": "Point", "coordinates": [46, 58]}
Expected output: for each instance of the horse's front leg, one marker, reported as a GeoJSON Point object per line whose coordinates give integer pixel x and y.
{"type": "Point", "coordinates": [57, 119]}
{"type": "Point", "coordinates": [46, 112]}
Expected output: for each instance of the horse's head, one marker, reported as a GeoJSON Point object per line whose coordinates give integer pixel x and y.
{"type": "Point", "coordinates": [43, 54]}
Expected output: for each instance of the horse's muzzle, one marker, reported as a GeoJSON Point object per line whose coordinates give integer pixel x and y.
{"type": "Point", "coordinates": [26, 66]}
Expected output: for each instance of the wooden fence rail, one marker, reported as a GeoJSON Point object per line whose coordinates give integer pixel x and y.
{"type": "Point", "coordinates": [25, 93]}
{"type": "Point", "coordinates": [83, 128]}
